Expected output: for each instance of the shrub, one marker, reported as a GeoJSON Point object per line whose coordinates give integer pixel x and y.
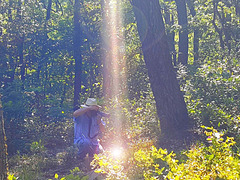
{"type": "Point", "coordinates": [212, 93]}
{"type": "Point", "coordinates": [213, 161]}
{"type": "Point", "coordinates": [75, 174]}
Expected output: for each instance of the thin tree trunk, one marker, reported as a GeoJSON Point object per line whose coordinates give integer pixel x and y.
{"type": "Point", "coordinates": [219, 31]}
{"type": "Point", "coordinates": [171, 108]}
{"type": "Point", "coordinates": [169, 19]}
{"type": "Point", "coordinates": [20, 43]}
{"type": "Point", "coordinates": [195, 32]}
{"type": "Point", "coordinates": [10, 11]}
{"type": "Point", "coordinates": [49, 7]}
{"type": "Point", "coordinates": [105, 50]}
{"type": "Point", "coordinates": [225, 29]}
{"type": "Point", "coordinates": [3, 147]}
{"type": "Point", "coordinates": [77, 54]}
{"type": "Point", "coordinates": [183, 34]}
{"type": "Point", "coordinates": [21, 60]}
{"type": "Point", "coordinates": [237, 7]}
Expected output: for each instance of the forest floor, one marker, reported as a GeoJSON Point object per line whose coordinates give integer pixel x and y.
{"type": "Point", "coordinates": [55, 163]}
{"type": "Point", "coordinates": [50, 164]}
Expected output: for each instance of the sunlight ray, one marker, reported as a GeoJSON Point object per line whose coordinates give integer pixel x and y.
{"type": "Point", "coordinates": [114, 63]}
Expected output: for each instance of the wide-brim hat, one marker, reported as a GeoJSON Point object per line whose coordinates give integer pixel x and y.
{"type": "Point", "coordinates": [90, 102]}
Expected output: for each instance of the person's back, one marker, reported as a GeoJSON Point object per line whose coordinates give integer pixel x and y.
{"type": "Point", "coordinates": [87, 127]}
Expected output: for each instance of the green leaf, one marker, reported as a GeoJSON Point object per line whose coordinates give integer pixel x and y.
{"type": "Point", "coordinates": [56, 176]}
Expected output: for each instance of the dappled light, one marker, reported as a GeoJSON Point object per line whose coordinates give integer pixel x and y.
{"type": "Point", "coordinates": [119, 89]}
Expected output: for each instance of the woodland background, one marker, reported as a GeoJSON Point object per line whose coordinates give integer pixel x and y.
{"type": "Point", "coordinates": [162, 69]}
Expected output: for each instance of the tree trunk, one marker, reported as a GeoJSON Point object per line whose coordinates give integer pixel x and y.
{"type": "Point", "coordinates": [169, 19]}
{"type": "Point", "coordinates": [195, 32]}
{"type": "Point", "coordinates": [21, 60]}
{"type": "Point", "coordinates": [219, 30]}
{"type": "Point", "coordinates": [171, 108]}
{"type": "Point", "coordinates": [225, 29]}
{"type": "Point", "coordinates": [105, 50]}
{"type": "Point", "coordinates": [183, 34]}
{"type": "Point", "coordinates": [77, 54]}
{"type": "Point", "coordinates": [10, 10]}
{"type": "Point", "coordinates": [20, 43]}
{"type": "Point", "coordinates": [49, 8]}
{"type": "Point", "coordinates": [237, 7]}
{"type": "Point", "coordinates": [3, 147]}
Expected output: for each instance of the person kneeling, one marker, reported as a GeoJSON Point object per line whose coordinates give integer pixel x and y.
{"type": "Point", "coordinates": [88, 126]}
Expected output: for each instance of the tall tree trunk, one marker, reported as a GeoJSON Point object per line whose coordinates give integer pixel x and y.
{"type": "Point", "coordinates": [195, 32]}
{"type": "Point", "coordinates": [49, 8]}
{"type": "Point", "coordinates": [183, 34]}
{"type": "Point", "coordinates": [10, 10]}
{"type": "Point", "coordinates": [219, 30]}
{"type": "Point", "coordinates": [107, 91]}
{"type": "Point", "coordinates": [169, 19]}
{"type": "Point", "coordinates": [21, 60]}
{"type": "Point", "coordinates": [171, 108]}
{"type": "Point", "coordinates": [3, 147]}
{"type": "Point", "coordinates": [225, 29]}
{"type": "Point", "coordinates": [20, 43]}
{"type": "Point", "coordinates": [77, 54]}
{"type": "Point", "coordinates": [237, 7]}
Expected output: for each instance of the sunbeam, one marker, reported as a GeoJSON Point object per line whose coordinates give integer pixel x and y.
{"type": "Point", "coordinates": [114, 64]}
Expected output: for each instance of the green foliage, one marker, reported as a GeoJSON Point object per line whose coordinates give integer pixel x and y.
{"type": "Point", "coordinates": [11, 177]}
{"type": "Point", "coordinates": [76, 174]}
{"type": "Point", "coordinates": [212, 94]}
{"type": "Point", "coordinates": [37, 147]}
{"type": "Point", "coordinates": [38, 107]}
{"type": "Point", "coordinates": [15, 106]}
{"type": "Point", "coordinates": [109, 165]}
{"type": "Point", "coordinates": [148, 162]}
{"type": "Point", "coordinates": [42, 163]}
{"type": "Point", "coordinates": [27, 168]}
{"type": "Point", "coordinates": [132, 118]}
{"type": "Point", "coordinates": [138, 129]}
{"type": "Point", "coordinates": [214, 161]}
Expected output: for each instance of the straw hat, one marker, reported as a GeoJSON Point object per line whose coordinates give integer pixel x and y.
{"type": "Point", "coordinates": [90, 102]}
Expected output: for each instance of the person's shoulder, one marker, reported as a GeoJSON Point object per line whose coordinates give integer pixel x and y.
{"type": "Point", "coordinates": [100, 113]}
{"type": "Point", "coordinates": [79, 117]}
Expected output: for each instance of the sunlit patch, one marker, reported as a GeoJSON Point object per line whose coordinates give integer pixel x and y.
{"type": "Point", "coordinates": [117, 152]}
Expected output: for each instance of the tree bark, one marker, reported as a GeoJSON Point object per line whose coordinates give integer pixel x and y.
{"type": "Point", "coordinates": [21, 59]}
{"type": "Point", "coordinates": [171, 108]}
{"type": "Point", "coordinates": [195, 32]}
{"type": "Point", "coordinates": [225, 28]}
{"type": "Point", "coordinates": [237, 7]}
{"type": "Point", "coordinates": [106, 49]}
{"type": "Point", "coordinates": [10, 10]}
{"type": "Point", "coordinates": [183, 34]}
{"type": "Point", "coordinates": [77, 54]}
{"type": "Point", "coordinates": [219, 30]}
{"type": "Point", "coordinates": [20, 43]}
{"type": "Point", "coordinates": [169, 19]}
{"type": "Point", "coordinates": [3, 147]}
{"type": "Point", "coordinates": [49, 8]}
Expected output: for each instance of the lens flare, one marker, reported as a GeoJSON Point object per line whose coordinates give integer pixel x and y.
{"type": "Point", "coordinates": [117, 152]}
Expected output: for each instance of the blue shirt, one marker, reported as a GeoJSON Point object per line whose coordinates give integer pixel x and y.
{"type": "Point", "coordinates": [87, 128]}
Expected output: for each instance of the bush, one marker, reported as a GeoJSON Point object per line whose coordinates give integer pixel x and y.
{"type": "Point", "coordinates": [75, 174]}
{"type": "Point", "coordinates": [212, 93]}
{"type": "Point", "coordinates": [213, 161]}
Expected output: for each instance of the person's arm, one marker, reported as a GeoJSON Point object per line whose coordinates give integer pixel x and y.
{"type": "Point", "coordinates": [81, 111]}
{"type": "Point", "coordinates": [100, 124]}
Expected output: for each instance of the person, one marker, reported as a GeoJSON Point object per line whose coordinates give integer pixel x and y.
{"type": "Point", "coordinates": [88, 126]}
